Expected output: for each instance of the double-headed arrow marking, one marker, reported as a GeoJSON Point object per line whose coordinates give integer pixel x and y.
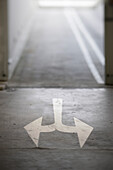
{"type": "Point", "coordinates": [35, 128]}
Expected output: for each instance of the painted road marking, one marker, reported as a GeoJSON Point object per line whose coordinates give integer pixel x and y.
{"type": "Point", "coordinates": [88, 37]}
{"type": "Point", "coordinates": [93, 69]}
{"type": "Point", "coordinates": [35, 128]}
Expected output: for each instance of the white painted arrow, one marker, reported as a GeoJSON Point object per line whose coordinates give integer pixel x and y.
{"type": "Point", "coordinates": [35, 128]}
{"type": "Point", "coordinates": [82, 129]}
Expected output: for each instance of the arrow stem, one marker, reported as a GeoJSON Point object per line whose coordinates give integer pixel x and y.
{"type": "Point", "coordinates": [57, 107]}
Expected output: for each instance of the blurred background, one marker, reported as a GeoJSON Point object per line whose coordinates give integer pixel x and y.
{"type": "Point", "coordinates": [56, 43]}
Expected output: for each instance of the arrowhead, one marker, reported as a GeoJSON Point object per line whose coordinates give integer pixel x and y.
{"type": "Point", "coordinates": [83, 131]}
{"type": "Point", "coordinates": [33, 129]}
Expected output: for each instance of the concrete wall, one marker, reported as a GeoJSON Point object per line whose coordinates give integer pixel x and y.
{"type": "Point", "coordinates": [3, 41]}
{"type": "Point", "coordinates": [20, 18]}
{"type": "Point", "coordinates": [109, 43]}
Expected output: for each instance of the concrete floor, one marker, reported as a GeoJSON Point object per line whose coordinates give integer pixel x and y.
{"type": "Point", "coordinates": [57, 150]}
{"type": "Point", "coordinates": [53, 57]}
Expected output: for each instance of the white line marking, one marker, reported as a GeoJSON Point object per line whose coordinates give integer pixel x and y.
{"type": "Point", "coordinates": [35, 128]}
{"type": "Point", "coordinates": [88, 37]}
{"type": "Point", "coordinates": [83, 47]}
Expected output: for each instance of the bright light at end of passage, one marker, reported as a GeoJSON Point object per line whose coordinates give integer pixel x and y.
{"type": "Point", "coordinates": [67, 3]}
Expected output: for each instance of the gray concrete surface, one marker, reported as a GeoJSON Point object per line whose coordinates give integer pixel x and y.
{"type": "Point", "coordinates": [52, 56]}
{"type": "Point", "coordinates": [57, 151]}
